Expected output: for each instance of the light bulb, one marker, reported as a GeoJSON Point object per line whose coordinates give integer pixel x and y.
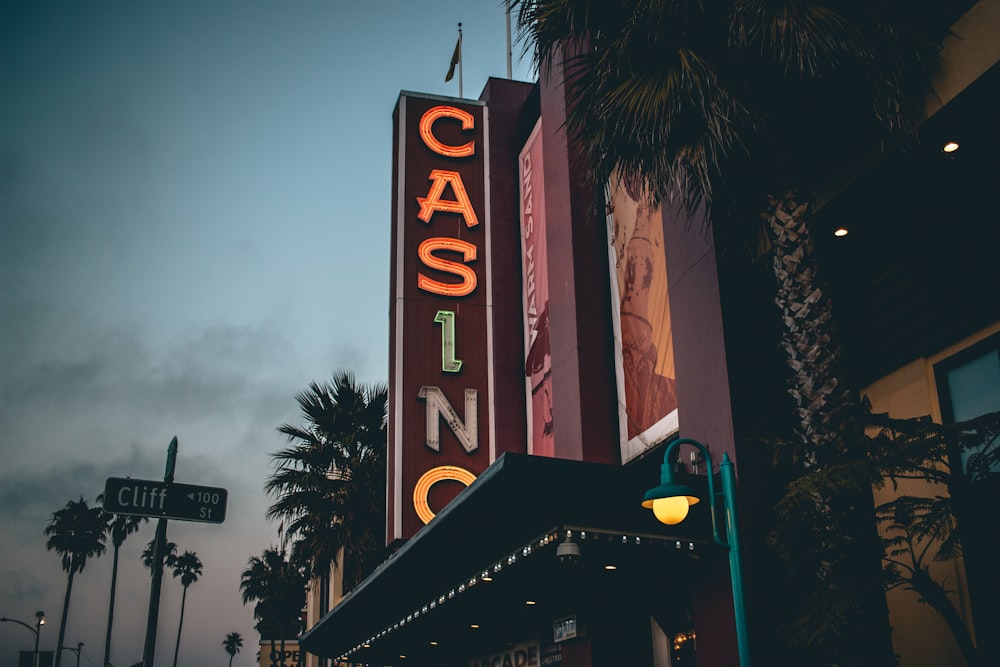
{"type": "Point", "coordinates": [671, 511]}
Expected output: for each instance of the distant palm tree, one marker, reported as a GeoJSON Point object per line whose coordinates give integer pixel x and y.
{"type": "Point", "coordinates": [169, 557]}
{"type": "Point", "coordinates": [120, 527]}
{"type": "Point", "coordinates": [330, 484]}
{"type": "Point", "coordinates": [187, 566]}
{"type": "Point", "coordinates": [77, 533]}
{"type": "Point", "coordinates": [233, 643]}
{"type": "Point", "coordinates": [277, 585]}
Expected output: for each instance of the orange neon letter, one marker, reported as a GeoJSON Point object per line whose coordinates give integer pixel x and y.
{"type": "Point", "coordinates": [427, 131]}
{"type": "Point", "coordinates": [425, 252]}
{"type": "Point", "coordinates": [433, 202]}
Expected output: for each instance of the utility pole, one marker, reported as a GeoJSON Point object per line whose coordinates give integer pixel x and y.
{"type": "Point", "coordinates": [159, 547]}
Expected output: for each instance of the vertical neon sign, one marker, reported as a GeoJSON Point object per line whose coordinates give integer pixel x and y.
{"type": "Point", "coordinates": [440, 423]}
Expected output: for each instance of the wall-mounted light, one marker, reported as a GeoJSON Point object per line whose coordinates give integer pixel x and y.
{"type": "Point", "coordinates": [840, 232]}
{"type": "Point", "coordinates": [950, 147]}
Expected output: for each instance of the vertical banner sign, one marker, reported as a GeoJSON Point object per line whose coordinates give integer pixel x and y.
{"type": "Point", "coordinates": [535, 272]}
{"type": "Point", "coordinates": [440, 418]}
{"type": "Point", "coordinates": [643, 343]}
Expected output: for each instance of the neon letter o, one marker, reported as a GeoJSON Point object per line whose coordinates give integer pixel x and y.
{"type": "Point", "coordinates": [429, 479]}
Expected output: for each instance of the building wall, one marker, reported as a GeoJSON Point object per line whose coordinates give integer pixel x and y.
{"type": "Point", "coordinates": [920, 636]}
{"type": "Point", "coordinates": [971, 49]}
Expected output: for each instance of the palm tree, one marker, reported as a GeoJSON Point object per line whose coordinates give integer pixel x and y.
{"type": "Point", "coordinates": [232, 643]}
{"type": "Point", "coordinates": [120, 527]}
{"type": "Point", "coordinates": [738, 110]}
{"type": "Point", "coordinates": [330, 483]}
{"type": "Point", "coordinates": [187, 566]}
{"type": "Point", "coordinates": [77, 533]}
{"type": "Point", "coordinates": [169, 558]}
{"type": "Point", "coordinates": [277, 586]}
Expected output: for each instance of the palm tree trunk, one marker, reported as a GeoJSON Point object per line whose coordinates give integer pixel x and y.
{"type": "Point", "coordinates": [111, 609]}
{"type": "Point", "coordinates": [180, 624]}
{"type": "Point", "coordinates": [845, 553]}
{"type": "Point", "coordinates": [810, 340]}
{"type": "Point", "coordinates": [65, 613]}
{"type": "Point", "coordinates": [231, 660]}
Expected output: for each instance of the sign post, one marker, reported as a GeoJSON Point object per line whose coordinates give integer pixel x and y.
{"type": "Point", "coordinates": [159, 545]}
{"type": "Point", "coordinates": [164, 500]}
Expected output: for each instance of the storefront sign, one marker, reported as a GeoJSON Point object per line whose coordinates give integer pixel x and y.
{"type": "Point", "coordinates": [441, 425]}
{"type": "Point", "coordinates": [564, 628]}
{"type": "Point", "coordinates": [277, 658]}
{"type": "Point", "coordinates": [521, 655]}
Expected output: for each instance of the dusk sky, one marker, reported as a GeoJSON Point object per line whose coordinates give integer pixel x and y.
{"type": "Point", "coordinates": [194, 224]}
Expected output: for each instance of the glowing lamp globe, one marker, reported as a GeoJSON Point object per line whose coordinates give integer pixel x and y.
{"type": "Point", "coordinates": [669, 501]}
{"type": "Point", "coordinates": [673, 510]}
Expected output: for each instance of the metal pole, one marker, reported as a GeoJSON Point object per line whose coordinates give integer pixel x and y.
{"type": "Point", "coordinates": [38, 631]}
{"type": "Point", "coordinates": [728, 474]}
{"type": "Point", "coordinates": [510, 74]}
{"type": "Point", "coordinates": [159, 546]}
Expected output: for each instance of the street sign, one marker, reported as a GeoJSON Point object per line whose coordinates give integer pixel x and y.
{"type": "Point", "coordinates": [184, 502]}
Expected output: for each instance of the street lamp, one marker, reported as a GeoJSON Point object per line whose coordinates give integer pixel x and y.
{"type": "Point", "coordinates": [77, 650]}
{"type": "Point", "coordinates": [37, 630]}
{"type": "Point", "coordinates": [670, 502]}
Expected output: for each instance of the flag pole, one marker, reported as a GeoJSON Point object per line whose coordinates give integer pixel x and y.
{"type": "Point", "coordinates": [509, 57]}
{"type": "Point", "coordinates": [460, 59]}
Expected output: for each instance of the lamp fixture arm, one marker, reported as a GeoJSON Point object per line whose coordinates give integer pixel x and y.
{"type": "Point", "coordinates": [711, 481]}
{"type": "Point", "coordinates": [4, 619]}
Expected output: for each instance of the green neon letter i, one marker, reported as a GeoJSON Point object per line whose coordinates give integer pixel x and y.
{"type": "Point", "coordinates": [449, 364]}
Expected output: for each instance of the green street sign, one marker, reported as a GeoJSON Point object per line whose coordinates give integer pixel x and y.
{"type": "Point", "coordinates": [184, 502]}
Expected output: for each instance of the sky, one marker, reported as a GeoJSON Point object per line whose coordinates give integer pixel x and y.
{"type": "Point", "coordinates": [194, 225]}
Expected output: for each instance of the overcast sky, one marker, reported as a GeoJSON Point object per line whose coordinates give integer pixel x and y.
{"type": "Point", "coordinates": [194, 224]}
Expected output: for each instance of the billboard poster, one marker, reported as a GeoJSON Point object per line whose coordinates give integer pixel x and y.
{"type": "Point", "coordinates": [440, 394]}
{"type": "Point", "coordinates": [535, 272]}
{"type": "Point", "coordinates": [644, 354]}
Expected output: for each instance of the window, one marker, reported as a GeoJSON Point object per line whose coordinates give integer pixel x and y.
{"type": "Point", "coordinates": [969, 384]}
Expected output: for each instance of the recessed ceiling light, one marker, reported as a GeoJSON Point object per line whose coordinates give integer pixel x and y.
{"type": "Point", "coordinates": [474, 626]}
{"type": "Point", "coordinates": [434, 643]}
{"type": "Point", "coordinates": [840, 232]}
{"type": "Point", "coordinates": [609, 566]}
{"type": "Point", "coordinates": [529, 602]}
{"type": "Point", "coordinates": [950, 147]}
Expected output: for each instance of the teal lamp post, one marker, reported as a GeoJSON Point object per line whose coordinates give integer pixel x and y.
{"type": "Point", "coordinates": [670, 502]}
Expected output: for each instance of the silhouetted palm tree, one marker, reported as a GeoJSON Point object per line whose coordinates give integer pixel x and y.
{"type": "Point", "coordinates": [187, 566]}
{"type": "Point", "coordinates": [77, 533]}
{"type": "Point", "coordinates": [170, 554]}
{"type": "Point", "coordinates": [746, 107]}
{"type": "Point", "coordinates": [120, 527]}
{"type": "Point", "coordinates": [330, 484]}
{"type": "Point", "coordinates": [277, 586]}
{"type": "Point", "coordinates": [232, 643]}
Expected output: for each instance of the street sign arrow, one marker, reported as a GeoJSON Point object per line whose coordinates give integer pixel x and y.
{"type": "Point", "coordinates": [184, 502]}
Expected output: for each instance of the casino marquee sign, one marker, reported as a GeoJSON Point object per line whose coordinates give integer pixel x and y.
{"type": "Point", "coordinates": [441, 427]}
